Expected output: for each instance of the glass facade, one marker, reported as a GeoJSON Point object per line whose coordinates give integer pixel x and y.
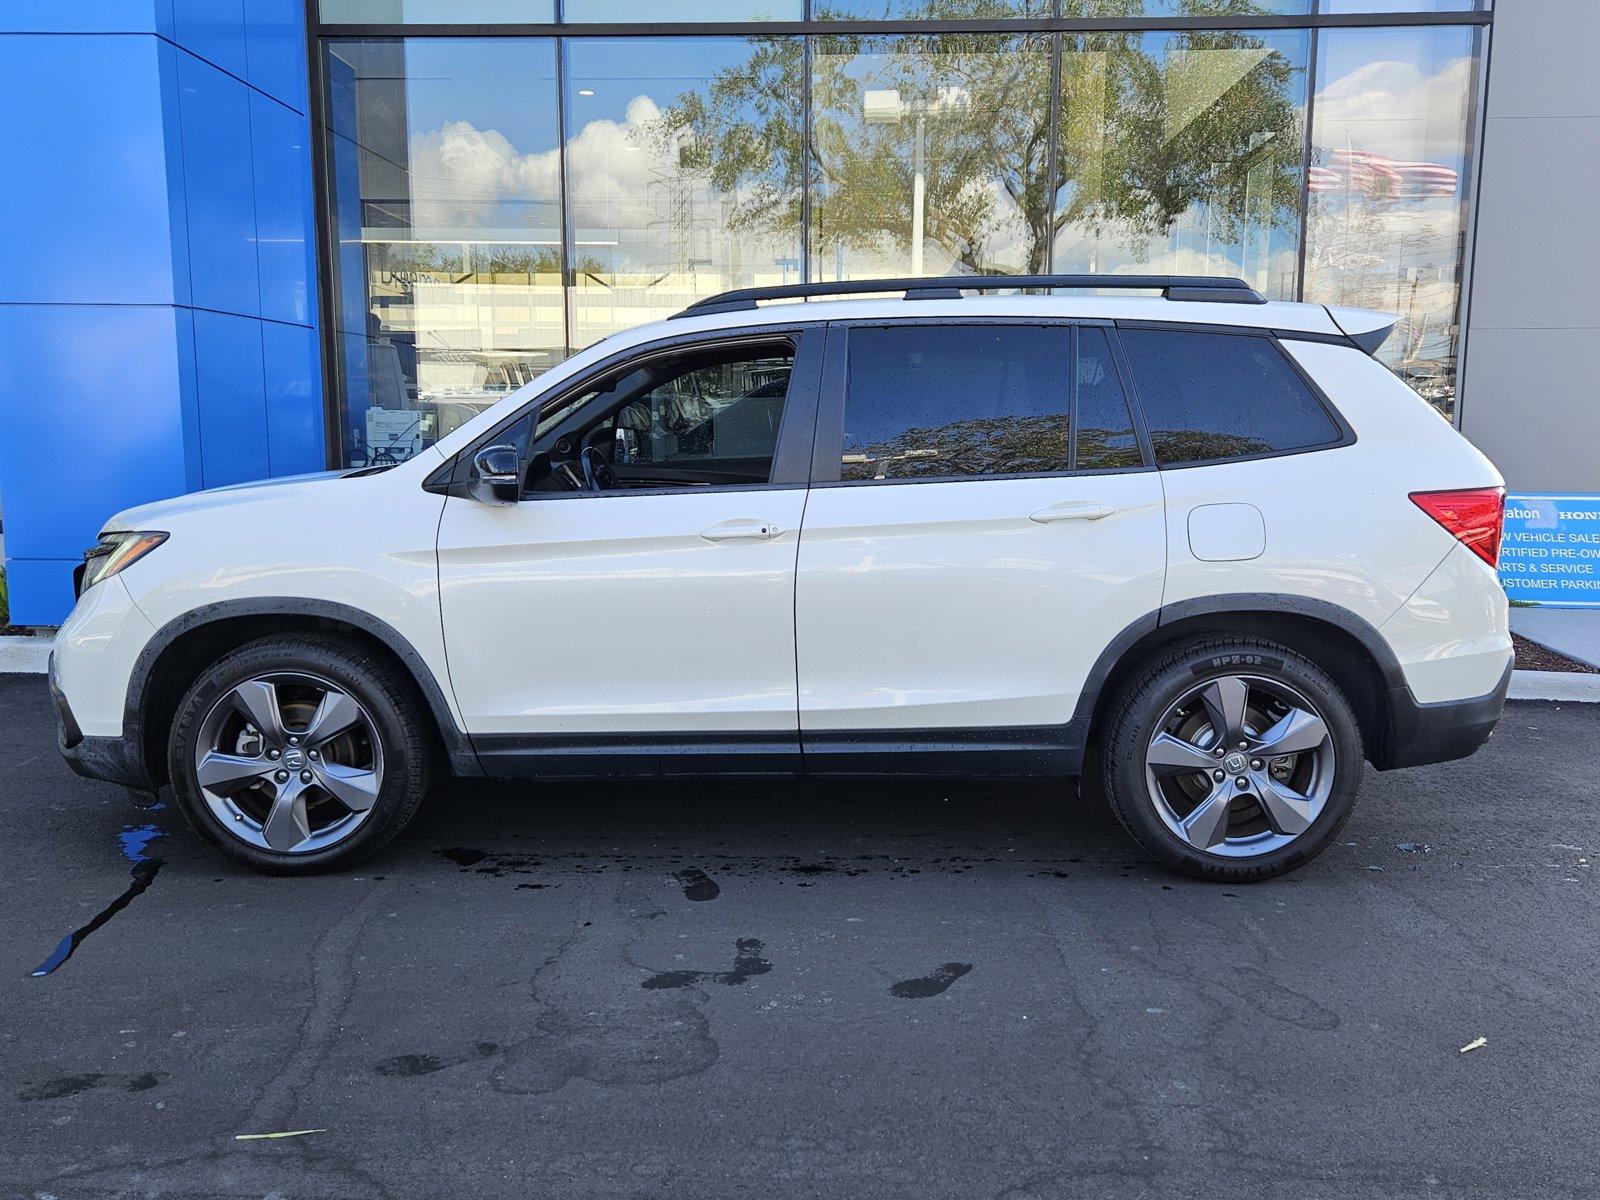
{"type": "Point", "coordinates": [1183, 154]}
{"type": "Point", "coordinates": [683, 173]}
{"type": "Point", "coordinates": [447, 201]}
{"type": "Point", "coordinates": [496, 202]}
{"type": "Point", "coordinates": [1386, 215]}
{"type": "Point", "coordinates": [929, 155]}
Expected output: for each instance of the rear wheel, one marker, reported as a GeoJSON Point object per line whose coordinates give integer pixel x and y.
{"type": "Point", "coordinates": [298, 754]}
{"type": "Point", "coordinates": [1232, 758]}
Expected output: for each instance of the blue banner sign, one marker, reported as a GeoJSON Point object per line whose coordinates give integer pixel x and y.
{"type": "Point", "coordinates": [1550, 555]}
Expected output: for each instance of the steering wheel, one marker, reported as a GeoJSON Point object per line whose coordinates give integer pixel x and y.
{"type": "Point", "coordinates": [597, 473]}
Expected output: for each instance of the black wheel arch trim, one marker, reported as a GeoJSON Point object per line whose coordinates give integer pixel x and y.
{"type": "Point", "coordinates": [457, 744]}
{"type": "Point", "coordinates": [1232, 604]}
{"type": "Point", "coordinates": [1297, 606]}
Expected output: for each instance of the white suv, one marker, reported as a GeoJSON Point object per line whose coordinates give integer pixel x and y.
{"type": "Point", "coordinates": [1201, 546]}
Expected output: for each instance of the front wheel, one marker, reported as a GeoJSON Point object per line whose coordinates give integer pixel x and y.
{"type": "Point", "coordinates": [1232, 758]}
{"type": "Point", "coordinates": [298, 754]}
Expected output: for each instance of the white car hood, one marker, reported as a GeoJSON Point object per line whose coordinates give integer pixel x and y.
{"type": "Point", "coordinates": [239, 495]}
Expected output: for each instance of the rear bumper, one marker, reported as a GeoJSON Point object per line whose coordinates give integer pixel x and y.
{"type": "Point", "coordinates": [1419, 734]}
{"type": "Point", "coordinates": [108, 759]}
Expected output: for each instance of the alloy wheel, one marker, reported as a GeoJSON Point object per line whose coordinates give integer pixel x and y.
{"type": "Point", "coordinates": [1240, 766]}
{"type": "Point", "coordinates": [289, 762]}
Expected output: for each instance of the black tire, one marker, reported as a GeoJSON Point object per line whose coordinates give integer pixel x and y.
{"type": "Point", "coordinates": [1142, 701]}
{"type": "Point", "coordinates": [391, 706]}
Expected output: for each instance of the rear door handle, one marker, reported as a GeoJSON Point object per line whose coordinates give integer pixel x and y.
{"type": "Point", "coordinates": [1072, 510]}
{"type": "Point", "coordinates": [742, 529]}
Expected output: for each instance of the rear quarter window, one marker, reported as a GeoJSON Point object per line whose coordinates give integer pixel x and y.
{"type": "Point", "coordinates": [1211, 396]}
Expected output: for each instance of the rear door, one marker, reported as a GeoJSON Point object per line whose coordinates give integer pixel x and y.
{"type": "Point", "coordinates": [983, 520]}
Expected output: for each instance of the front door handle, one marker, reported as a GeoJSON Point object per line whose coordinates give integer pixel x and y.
{"type": "Point", "coordinates": [742, 529]}
{"type": "Point", "coordinates": [1072, 510]}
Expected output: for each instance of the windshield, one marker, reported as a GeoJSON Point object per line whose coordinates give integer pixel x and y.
{"type": "Point", "coordinates": [556, 411]}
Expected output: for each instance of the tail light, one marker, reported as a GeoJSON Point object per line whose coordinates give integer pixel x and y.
{"type": "Point", "coordinates": [1473, 516]}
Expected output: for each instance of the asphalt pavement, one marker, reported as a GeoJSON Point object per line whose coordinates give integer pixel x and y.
{"type": "Point", "coordinates": [915, 989]}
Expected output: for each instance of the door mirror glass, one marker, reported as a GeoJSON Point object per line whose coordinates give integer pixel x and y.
{"type": "Point", "coordinates": [497, 475]}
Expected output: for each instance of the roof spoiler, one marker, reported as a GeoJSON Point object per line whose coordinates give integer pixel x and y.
{"type": "Point", "coordinates": [1366, 328]}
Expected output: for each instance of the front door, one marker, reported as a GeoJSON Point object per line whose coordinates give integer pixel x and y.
{"type": "Point", "coordinates": [991, 524]}
{"type": "Point", "coordinates": [639, 600]}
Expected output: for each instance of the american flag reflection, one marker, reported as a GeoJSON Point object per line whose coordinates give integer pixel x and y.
{"type": "Point", "coordinates": [1377, 175]}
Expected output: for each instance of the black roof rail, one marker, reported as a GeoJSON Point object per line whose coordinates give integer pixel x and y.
{"type": "Point", "coordinates": [1213, 288]}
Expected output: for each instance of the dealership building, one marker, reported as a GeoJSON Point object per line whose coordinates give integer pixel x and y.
{"type": "Point", "coordinates": [250, 238]}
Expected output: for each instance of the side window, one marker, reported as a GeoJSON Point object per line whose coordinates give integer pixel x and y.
{"type": "Point", "coordinates": [724, 410]}
{"type": "Point", "coordinates": [1213, 396]}
{"type": "Point", "coordinates": [1105, 438]}
{"type": "Point", "coordinates": [930, 401]}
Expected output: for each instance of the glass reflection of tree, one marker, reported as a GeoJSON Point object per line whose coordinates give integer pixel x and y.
{"type": "Point", "coordinates": [983, 446]}
{"type": "Point", "coordinates": [1131, 163]}
{"type": "Point", "coordinates": [1197, 445]}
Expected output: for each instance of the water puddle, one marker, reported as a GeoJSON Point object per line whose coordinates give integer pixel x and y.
{"type": "Point", "coordinates": [134, 841]}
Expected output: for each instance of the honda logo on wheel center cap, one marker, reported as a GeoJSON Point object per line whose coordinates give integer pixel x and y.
{"type": "Point", "coordinates": [1234, 764]}
{"type": "Point", "coordinates": [295, 759]}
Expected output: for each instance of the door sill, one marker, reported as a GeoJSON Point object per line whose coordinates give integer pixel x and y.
{"type": "Point", "coordinates": [1033, 751]}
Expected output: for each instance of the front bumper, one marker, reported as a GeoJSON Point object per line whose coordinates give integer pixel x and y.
{"type": "Point", "coordinates": [1419, 734]}
{"type": "Point", "coordinates": [109, 759]}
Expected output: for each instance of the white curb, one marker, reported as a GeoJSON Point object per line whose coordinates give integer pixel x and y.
{"type": "Point", "coordinates": [25, 655]}
{"type": "Point", "coordinates": [1573, 686]}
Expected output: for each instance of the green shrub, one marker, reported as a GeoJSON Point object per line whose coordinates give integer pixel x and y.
{"type": "Point", "coordinates": [5, 601]}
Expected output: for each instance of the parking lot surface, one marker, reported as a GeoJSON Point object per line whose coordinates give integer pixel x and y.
{"type": "Point", "coordinates": [806, 989]}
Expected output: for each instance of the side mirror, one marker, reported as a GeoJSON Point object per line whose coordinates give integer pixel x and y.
{"type": "Point", "coordinates": [497, 475]}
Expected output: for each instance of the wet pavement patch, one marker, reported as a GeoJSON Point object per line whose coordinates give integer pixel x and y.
{"type": "Point", "coordinates": [703, 880]}
{"type": "Point", "coordinates": [931, 984]}
{"type": "Point", "coordinates": [697, 885]}
{"type": "Point", "coordinates": [134, 840]}
{"type": "Point", "coordinates": [747, 963]}
{"type": "Point", "coordinates": [411, 1064]}
{"type": "Point", "coordinates": [408, 1066]}
{"type": "Point", "coordinates": [64, 1086]}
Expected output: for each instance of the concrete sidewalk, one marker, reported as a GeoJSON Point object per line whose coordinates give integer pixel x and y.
{"type": "Point", "coordinates": [1574, 632]}
{"type": "Point", "coordinates": [23, 655]}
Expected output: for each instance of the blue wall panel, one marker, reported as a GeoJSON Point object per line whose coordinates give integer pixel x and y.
{"type": "Point", "coordinates": [86, 204]}
{"type": "Point", "coordinates": [274, 39]}
{"type": "Point", "coordinates": [98, 415]}
{"type": "Point", "coordinates": [293, 367]}
{"type": "Point", "coordinates": [280, 140]}
{"type": "Point", "coordinates": [88, 16]}
{"type": "Point", "coordinates": [233, 410]}
{"type": "Point", "coordinates": [213, 30]}
{"type": "Point", "coordinates": [219, 188]}
{"type": "Point", "coordinates": [159, 203]}
{"type": "Point", "coordinates": [41, 590]}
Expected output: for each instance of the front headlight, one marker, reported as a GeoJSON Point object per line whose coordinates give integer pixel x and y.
{"type": "Point", "coordinates": [113, 553]}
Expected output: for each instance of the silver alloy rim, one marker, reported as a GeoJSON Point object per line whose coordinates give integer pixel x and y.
{"type": "Point", "coordinates": [1240, 766]}
{"type": "Point", "coordinates": [289, 762]}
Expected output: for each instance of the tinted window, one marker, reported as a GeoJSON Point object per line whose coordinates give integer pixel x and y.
{"type": "Point", "coordinates": [1213, 395]}
{"type": "Point", "coordinates": [942, 400]}
{"type": "Point", "coordinates": [1105, 431]}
